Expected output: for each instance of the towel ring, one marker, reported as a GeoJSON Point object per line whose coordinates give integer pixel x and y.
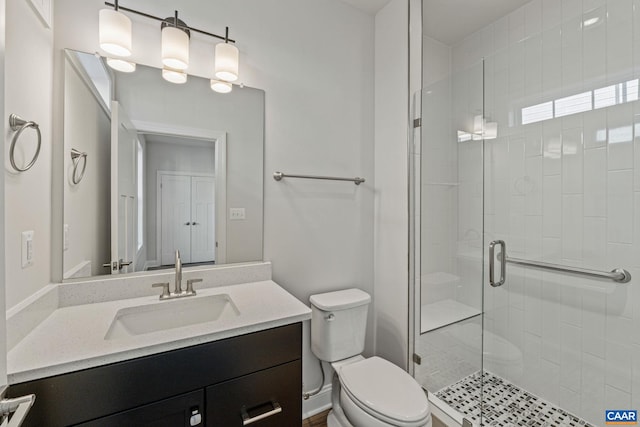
{"type": "Point", "coordinates": [75, 158]}
{"type": "Point", "coordinates": [18, 124]}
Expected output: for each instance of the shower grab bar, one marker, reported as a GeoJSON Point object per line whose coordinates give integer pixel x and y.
{"type": "Point", "coordinates": [279, 175]}
{"type": "Point", "coordinates": [619, 275]}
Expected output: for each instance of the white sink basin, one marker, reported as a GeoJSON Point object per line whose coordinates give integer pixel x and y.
{"type": "Point", "coordinates": [144, 319]}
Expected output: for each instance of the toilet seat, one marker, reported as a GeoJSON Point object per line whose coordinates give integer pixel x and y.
{"type": "Point", "coordinates": [385, 391]}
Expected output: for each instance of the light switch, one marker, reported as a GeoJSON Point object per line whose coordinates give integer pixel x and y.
{"type": "Point", "coordinates": [236, 213]}
{"type": "Point", "coordinates": [27, 248]}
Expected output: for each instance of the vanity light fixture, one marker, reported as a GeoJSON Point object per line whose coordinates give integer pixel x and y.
{"type": "Point", "coordinates": [175, 47]}
{"type": "Point", "coordinates": [122, 65]}
{"type": "Point", "coordinates": [226, 60]}
{"type": "Point", "coordinates": [175, 43]}
{"type": "Point", "coordinates": [174, 76]}
{"type": "Point", "coordinates": [115, 31]}
{"type": "Point", "coordinates": [221, 86]}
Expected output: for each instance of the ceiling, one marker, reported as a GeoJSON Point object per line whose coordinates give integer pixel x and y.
{"type": "Point", "coordinates": [368, 6]}
{"type": "Point", "coordinates": [449, 21]}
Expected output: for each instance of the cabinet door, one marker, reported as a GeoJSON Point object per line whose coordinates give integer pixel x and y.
{"type": "Point", "coordinates": [184, 410]}
{"type": "Point", "coordinates": [268, 398]}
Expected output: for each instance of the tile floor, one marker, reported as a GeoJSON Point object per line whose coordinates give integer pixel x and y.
{"type": "Point", "coordinates": [319, 420]}
{"type": "Point", "coordinates": [505, 405]}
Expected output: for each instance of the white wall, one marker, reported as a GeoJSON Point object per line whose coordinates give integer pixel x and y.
{"type": "Point", "coordinates": [28, 79]}
{"type": "Point", "coordinates": [86, 206]}
{"type": "Point", "coordinates": [391, 175]}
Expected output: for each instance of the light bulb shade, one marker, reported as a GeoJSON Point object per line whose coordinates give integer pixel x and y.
{"type": "Point", "coordinates": [226, 65]}
{"type": "Point", "coordinates": [174, 76]}
{"type": "Point", "coordinates": [121, 65]}
{"type": "Point", "coordinates": [175, 48]}
{"type": "Point", "coordinates": [115, 32]}
{"type": "Point", "coordinates": [220, 86]}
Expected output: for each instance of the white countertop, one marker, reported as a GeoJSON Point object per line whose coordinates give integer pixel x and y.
{"type": "Point", "coordinates": [72, 338]}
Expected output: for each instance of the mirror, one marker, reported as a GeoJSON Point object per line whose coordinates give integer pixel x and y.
{"type": "Point", "coordinates": [153, 167]}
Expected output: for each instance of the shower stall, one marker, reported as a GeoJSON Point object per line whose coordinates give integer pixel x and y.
{"type": "Point", "coordinates": [526, 192]}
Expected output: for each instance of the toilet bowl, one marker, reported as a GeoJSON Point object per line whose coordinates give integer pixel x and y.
{"type": "Point", "coordinates": [367, 392]}
{"type": "Point", "coordinates": [377, 393]}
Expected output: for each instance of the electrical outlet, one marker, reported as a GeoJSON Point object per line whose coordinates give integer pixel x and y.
{"type": "Point", "coordinates": [236, 213]}
{"type": "Point", "coordinates": [27, 248]}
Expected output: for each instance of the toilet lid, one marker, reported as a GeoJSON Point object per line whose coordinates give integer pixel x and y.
{"type": "Point", "coordinates": [385, 391]}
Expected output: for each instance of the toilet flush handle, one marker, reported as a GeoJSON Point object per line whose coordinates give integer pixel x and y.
{"type": "Point", "coordinates": [329, 317]}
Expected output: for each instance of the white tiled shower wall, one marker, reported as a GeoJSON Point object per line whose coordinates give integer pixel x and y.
{"type": "Point", "coordinates": [564, 190]}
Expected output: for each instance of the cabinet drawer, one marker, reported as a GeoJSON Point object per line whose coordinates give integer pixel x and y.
{"type": "Point", "coordinates": [184, 410]}
{"type": "Point", "coordinates": [272, 397]}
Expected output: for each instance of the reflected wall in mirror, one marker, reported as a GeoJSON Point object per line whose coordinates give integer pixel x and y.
{"type": "Point", "coordinates": [168, 167]}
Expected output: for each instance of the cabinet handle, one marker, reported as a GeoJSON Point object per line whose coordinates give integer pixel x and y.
{"type": "Point", "coordinates": [246, 419]}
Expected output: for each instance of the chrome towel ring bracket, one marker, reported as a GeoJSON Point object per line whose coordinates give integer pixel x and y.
{"type": "Point", "coordinates": [18, 124]}
{"type": "Point", "coordinates": [76, 157]}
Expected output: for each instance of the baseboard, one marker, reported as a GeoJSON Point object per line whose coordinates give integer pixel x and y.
{"type": "Point", "coordinates": [318, 403]}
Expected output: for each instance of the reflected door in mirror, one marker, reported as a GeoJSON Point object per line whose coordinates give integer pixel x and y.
{"type": "Point", "coordinates": [187, 219]}
{"type": "Point", "coordinates": [123, 191]}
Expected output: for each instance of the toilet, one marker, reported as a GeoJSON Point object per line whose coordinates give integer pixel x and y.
{"type": "Point", "coordinates": [366, 392]}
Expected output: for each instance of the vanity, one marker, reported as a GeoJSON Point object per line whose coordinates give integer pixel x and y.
{"type": "Point", "coordinates": [99, 361]}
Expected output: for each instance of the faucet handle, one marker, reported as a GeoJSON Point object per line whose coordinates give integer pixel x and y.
{"type": "Point", "coordinates": [190, 283]}
{"type": "Point", "coordinates": [165, 289]}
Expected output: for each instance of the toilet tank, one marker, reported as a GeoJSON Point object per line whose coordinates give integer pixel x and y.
{"type": "Point", "coordinates": [338, 324]}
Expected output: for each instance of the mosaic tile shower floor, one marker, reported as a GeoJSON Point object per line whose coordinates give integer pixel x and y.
{"type": "Point", "coordinates": [505, 405]}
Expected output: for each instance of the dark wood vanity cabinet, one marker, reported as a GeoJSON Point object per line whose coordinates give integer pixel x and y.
{"type": "Point", "coordinates": [262, 397]}
{"type": "Point", "coordinates": [255, 377]}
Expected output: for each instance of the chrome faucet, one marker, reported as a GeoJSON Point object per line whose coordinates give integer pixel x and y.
{"type": "Point", "coordinates": [178, 286]}
{"type": "Point", "coordinates": [177, 291]}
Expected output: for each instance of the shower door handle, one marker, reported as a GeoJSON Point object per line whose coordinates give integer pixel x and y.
{"type": "Point", "coordinates": [492, 261]}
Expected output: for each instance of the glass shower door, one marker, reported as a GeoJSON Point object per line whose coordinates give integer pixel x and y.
{"type": "Point", "coordinates": [448, 236]}
{"type": "Point", "coordinates": [561, 191]}
{"type": "Point", "coordinates": [536, 145]}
